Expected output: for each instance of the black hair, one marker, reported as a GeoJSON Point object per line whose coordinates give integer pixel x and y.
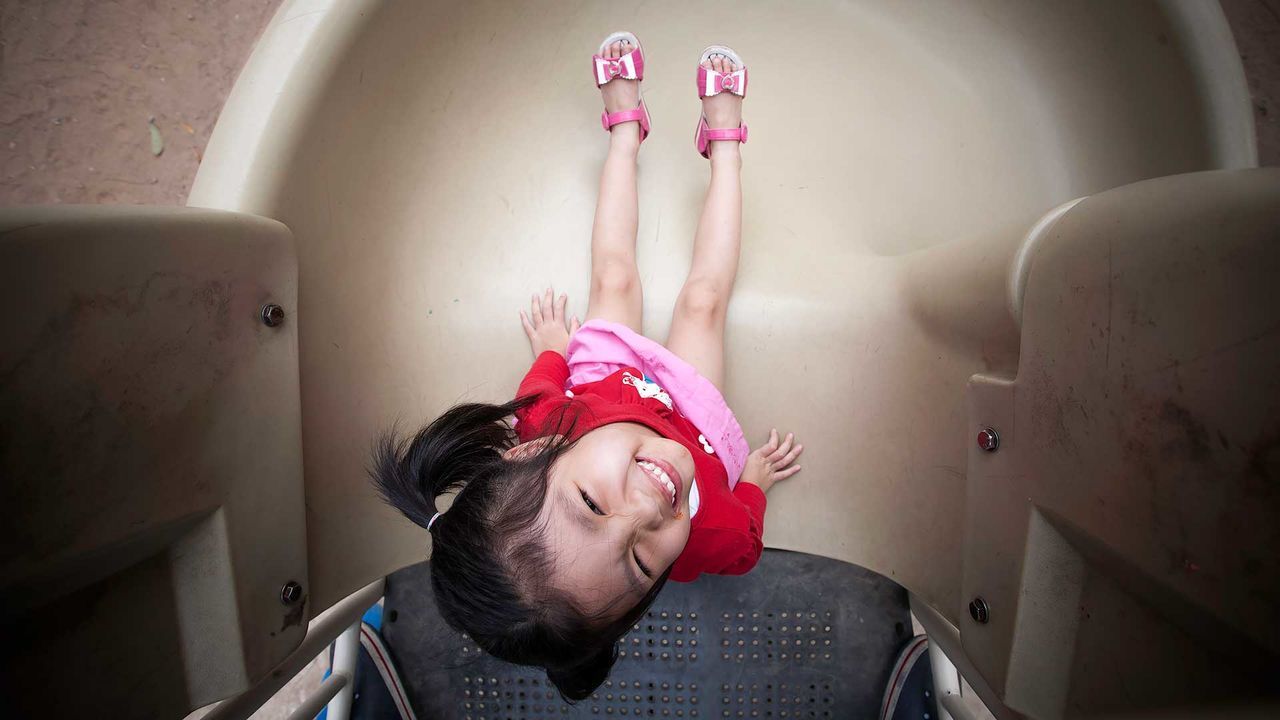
{"type": "Point", "coordinates": [490, 566]}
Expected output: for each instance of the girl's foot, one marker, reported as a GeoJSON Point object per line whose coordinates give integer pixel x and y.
{"type": "Point", "coordinates": [724, 109]}
{"type": "Point", "coordinates": [620, 94]}
{"type": "Point", "coordinates": [618, 67]}
{"type": "Point", "coordinates": [722, 83]}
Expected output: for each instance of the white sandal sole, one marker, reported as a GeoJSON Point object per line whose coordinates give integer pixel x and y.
{"type": "Point", "coordinates": [615, 37]}
{"type": "Point", "coordinates": [720, 50]}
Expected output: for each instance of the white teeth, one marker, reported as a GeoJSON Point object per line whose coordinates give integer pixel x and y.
{"type": "Point", "coordinates": [661, 474]}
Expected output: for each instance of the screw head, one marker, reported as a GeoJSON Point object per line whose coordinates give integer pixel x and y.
{"type": "Point", "coordinates": [979, 611]}
{"type": "Point", "coordinates": [272, 315]}
{"type": "Point", "coordinates": [989, 439]}
{"type": "Point", "coordinates": [291, 593]}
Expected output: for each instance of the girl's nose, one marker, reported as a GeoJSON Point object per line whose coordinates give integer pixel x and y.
{"type": "Point", "coordinates": [645, 508]}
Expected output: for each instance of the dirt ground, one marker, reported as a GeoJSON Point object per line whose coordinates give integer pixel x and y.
{"type": "Point", "coordinates": [79, 80]}
{"type": "Point", "coordinates": [1256, 26]}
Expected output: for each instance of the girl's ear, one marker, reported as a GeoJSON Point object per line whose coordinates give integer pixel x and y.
{"type": "Point", "coordinates": [524, 451]}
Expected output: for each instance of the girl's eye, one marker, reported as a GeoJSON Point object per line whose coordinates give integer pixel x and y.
{"type": "Point", "coordinates": [587, 499]}
{"type": "Point", "coordinates": [647, 573]}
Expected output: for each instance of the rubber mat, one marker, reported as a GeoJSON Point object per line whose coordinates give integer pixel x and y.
{"type": "Point", "coordinates": [801, 636]}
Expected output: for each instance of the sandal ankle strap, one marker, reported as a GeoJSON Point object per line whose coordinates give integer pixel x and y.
{"type": "Point", "coordinates": [637, 114]}
{"type": "Point", "coordinates": [707, 135]}
{"type": "Point", "coordinates": [739, 133]}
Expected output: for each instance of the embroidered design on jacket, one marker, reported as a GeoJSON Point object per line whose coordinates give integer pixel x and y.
{"type": "Point", "coordinates": [647, 389]}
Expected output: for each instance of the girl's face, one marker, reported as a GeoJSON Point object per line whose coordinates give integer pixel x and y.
{"type": "Point", "coordinates": [617, 514]}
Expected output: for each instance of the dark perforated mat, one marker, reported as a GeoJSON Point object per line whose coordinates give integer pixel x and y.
{"type": "Point", "coordinates": [799, 637]}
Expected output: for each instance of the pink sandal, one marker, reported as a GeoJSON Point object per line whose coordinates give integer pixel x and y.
{"type": "Point", "coordinates": [711, 83]}
{"type": "Point", "coordinates": [627, 67]}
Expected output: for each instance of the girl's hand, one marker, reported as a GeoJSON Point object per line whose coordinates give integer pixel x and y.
{"type": "Point", "coordinates": [545, 323]}
{"type": "Point", "coordinates": [771, 462]}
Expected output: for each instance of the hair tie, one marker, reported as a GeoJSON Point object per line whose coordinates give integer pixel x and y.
{"type": "Point", "coordinates": [433, 520]}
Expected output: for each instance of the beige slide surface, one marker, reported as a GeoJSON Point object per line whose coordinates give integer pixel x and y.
{"type": "Point", "coordinates": [437, 163]}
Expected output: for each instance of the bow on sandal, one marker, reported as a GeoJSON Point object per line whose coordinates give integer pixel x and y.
{"type": "Point", "coordinates": [711, 82]}
{"type": "Point", "coordinates": [627, 67]}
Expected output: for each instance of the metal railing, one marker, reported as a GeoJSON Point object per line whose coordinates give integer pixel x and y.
{"type": "Point", "coordinates": [339, 625]}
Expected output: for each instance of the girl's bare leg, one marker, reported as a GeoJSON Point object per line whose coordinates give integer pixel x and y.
{"type": "Point", "coordinates": [697, 325]}
{"type": "Point", "coordinates": [615, 281]}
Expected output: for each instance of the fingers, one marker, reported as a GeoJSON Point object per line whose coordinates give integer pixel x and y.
{"type": "Point", "coordinates": [782, 450]}
{"type": "Point", "coordinates": [789, 457]}
{"type": "Point", "coordinates": [528, 326]}
{"type": "Point", "coordinates": [542, 309]}
{"type": "Point", "coordinates": [547, 308]}
{"type": "Point", "coordinates": [772, 445]}
{"type": "Point", "coordinates": [573, 326]}
{"type": "Point", "coordinates": [784, 474]}
{"type": "Point", "coordinates": [778, 456]}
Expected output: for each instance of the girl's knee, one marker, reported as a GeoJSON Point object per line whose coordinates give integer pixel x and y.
{"type": "Point", "coordinates": [615, 278]}
{"type": "Point", "coordinates": [702, 301]}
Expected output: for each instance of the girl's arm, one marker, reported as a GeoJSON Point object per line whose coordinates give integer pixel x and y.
{"type": "Point", "coordinates": [731, 540]}
{"type": "Point", "coordinates": [548, 338]}
{"type": "Point", "coordinates": [547, 377]}
{"type": "Point", "coordinates": [544, 381]}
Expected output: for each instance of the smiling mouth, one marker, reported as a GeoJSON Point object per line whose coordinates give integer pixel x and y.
{"type": "Point", "coordinates": [665, 477]}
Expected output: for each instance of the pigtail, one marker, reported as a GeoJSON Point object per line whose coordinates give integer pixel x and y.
{"type": "Point", "coordinates": [464, 443]}
{"type": "Point", "coordinates": [578, 681]}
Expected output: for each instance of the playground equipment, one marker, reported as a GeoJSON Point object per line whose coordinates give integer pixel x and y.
{"type": "Point", "coordinates": [1054, 424]}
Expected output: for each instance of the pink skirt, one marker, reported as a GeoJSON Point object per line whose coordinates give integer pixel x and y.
{"type": "Point", "coordinates": [601, 348]}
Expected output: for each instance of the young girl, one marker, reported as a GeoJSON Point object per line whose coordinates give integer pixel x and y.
{"type": "Point", "coordinates": [624, 466]}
